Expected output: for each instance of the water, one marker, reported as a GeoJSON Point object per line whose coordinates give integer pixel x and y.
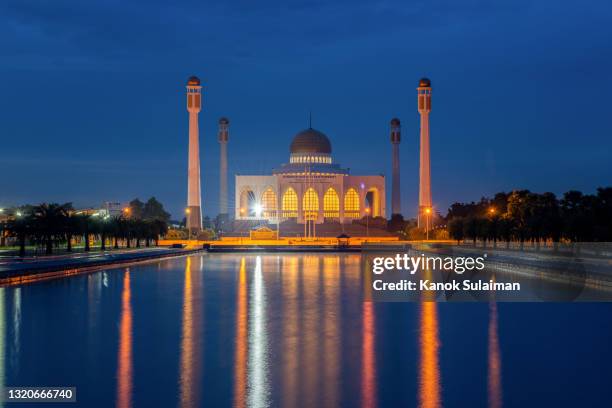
{"type": "Point", "coordinates": [228, 330]}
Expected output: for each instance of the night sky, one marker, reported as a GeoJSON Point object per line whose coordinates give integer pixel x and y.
{"type": "Point", "coordinates": [92, 104]}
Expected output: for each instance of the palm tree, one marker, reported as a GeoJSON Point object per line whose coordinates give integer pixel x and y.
{"type": "Point", "coordinates": [21, 227]}
{"type": "Point", "coordinates": [49, 224]}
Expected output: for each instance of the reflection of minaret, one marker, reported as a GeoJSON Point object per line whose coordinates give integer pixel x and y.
{"type": "Point", "coordinates": [223, 138]}
{"type": "Point", "coordinates": [424, 101]}
{"type": "Point", "coordinates": [194, 197]}
{"type": "Point", "coordinates": [368, 355]}
{"type": "Point", "coordinates": [124, 364]}
{"type": "Point", "coordinates": [190, 340]}
{"type": "Point", "coordinates": [240, 359]}
{"type": "Point", "coordinates": [495, 389]}
{"type": "Point", "coordinates": [396, 205]}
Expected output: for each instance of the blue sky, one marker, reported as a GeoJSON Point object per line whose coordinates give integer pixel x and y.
{"type": "Point", "coordinates": [92, 103]}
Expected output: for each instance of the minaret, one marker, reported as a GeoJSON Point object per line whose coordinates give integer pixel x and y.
{"type": "Point", "coordinates": [223, 138]}
{"type": "Point", "coordinates": [193, 212]}
{"type": "Point", "coordinates": [396, 204]}
{"type": "Point", "coordinates": [425, 209]}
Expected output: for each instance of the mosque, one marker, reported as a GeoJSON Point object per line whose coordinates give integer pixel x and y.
{"type": "Point", "coordinates": [311, 188]}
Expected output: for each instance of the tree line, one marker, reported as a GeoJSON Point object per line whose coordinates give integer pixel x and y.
{"type": "Point", "coordinates": [52, 225]}
{"type": "Point", "coordinates": [522, 215]}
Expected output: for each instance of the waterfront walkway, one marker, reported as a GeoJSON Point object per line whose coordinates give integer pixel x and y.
{"type": "Point", "coordinates": [18, 270]}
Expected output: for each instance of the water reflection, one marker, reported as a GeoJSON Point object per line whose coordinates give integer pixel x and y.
{"type": "Point", "coordinates": [240, 358]}
{"type": "Point", "coordinates": [429, 369]}
{"type": "Point", "coordinates": [190, 336]}
{"type": "Point", "coordinates": [310, 367]}
{"type": "Point", "coordinates": [368, 356]}
{"type": "Point", "coordinates": [2, 341]}
{"type": "Point", "coordinates": [291, 330]}
{"type": "Point", "coordinates": [495, 391]}
{"type": "Point", "coordinates": [124, 363]}
{"type": "Point", "coordinates": [258, 382]}
{"type": "Point", "coordinates": [331, 333]}
{"type": "Point", "coordinates": [16, 329]}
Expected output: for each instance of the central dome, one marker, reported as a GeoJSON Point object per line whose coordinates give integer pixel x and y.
{"type": "Point", "coordinates": [310, 141]}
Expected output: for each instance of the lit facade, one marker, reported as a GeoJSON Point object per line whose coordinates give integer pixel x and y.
{"type": "Point", "coordinates": [310, 188]}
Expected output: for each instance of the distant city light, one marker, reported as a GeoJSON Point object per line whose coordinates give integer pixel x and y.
{"type": "Point", "coordinates": [428, 210]}
{"type": "Point", "coordinates": [1, 210]}
{"type": "Point", "coordinates": [187, 211]}
{"type": "Point", "coordinates": [492, 210]}
{"type": "Point", "coordinates": [18, 213]}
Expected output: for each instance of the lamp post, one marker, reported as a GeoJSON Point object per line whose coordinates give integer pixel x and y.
{"type": "Point", "coordinates": [367, 210]}
{"type": "Point", "coordinates": [187, 212]}
{"type": "Point", "coordinates": [427, 222]}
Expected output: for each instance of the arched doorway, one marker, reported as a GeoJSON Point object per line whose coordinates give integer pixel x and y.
{"type": "Point", "coordinates": [310, 204]}
{"type": "Point", "coordinates": [289, 204]}
{"type": "Point", "coordinates": [331, 204]}
{"type": "Point", "coordinates": [351, 203]}
{"type": "Point", "coordinates": [247, 203]}
{"type": "Point", "coordinates": [372, 201]}
{"type": "Point", "coordinates": [268, 203]}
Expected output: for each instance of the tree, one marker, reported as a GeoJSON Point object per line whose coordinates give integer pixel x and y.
{"type": "Point", "coordinates": [21, 226]}
{"type": "Point", "coordinates": [86, 227]}
{"type": "Point", "coordinates": [136, 209]}
{"type": "Point", "coordinates": [154, 210]}
{"type": "Point", "coordinates": [49, 224]}
{"type": "Point", "coordinates": [455, 229]}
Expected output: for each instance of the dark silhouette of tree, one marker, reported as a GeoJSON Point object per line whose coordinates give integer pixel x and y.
{"type": "Point", "coordinates": [49, 224]}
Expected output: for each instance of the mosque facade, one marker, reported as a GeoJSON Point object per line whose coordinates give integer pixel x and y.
{"type": "Point", "coordinates": [311, 188]}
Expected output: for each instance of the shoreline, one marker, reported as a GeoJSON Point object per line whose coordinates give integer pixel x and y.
{"type": "Point", "coordinates": [47, 269]}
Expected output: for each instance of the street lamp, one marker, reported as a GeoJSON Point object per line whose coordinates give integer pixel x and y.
{"type": "Point", "coordinates": [126, 211]}
{"type": "Point", "coordinates": [492, 210]}
{"type": "Point", "coordinates": [427, 219]}
{"type": "Point", "coordinates": [367, 210]}
{"type": "Point", "coordinates": [187, 211]}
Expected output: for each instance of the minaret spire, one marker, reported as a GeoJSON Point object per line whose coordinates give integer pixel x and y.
{"type": "Point", "coordinates": [424, 105]}
{"type": "Point", "coordinates": [193, 212]}
{"type": "Point", "coordinates": [396, 206]}
{"type": "Point", "coordinates": [223, 139]}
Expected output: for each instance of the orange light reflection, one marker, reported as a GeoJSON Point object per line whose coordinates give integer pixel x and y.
{"type": "Point", "coordinates": [124, 363]}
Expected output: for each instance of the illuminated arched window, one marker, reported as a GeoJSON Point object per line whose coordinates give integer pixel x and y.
{"type": "Point", "coordinates": [268, 203]}
{"type": "Point", "coordinates": [331, 204]}
{"type": "Point", "coordinates": [351, 203]}
{"type": "Point", "coordinates": [310, 204]}
{"type": "Point", "coordinates": [290, 203]}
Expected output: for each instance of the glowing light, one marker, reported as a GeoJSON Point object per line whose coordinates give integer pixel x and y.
{"type": "Point", "coordinates": [258, 380]}
{"type": "Point", "coordinates": [428, 210]}
{"type": "Point", "coordinates": [126, 210]}
{"type": "Point", "coordinates": [1, 210]}
{"type": "Point", "coordinates": [367, 210]}
{"type": "Point", "coordinates": [258, 209]}
{"type": "Point", "coordinates": [18, 213]}
{"type": "Point", "coordinates": [492, 210]}
{"type": "Point", "coordinates": [187, 210]}
{"type": "Point", "coordinates": [242, 211]}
